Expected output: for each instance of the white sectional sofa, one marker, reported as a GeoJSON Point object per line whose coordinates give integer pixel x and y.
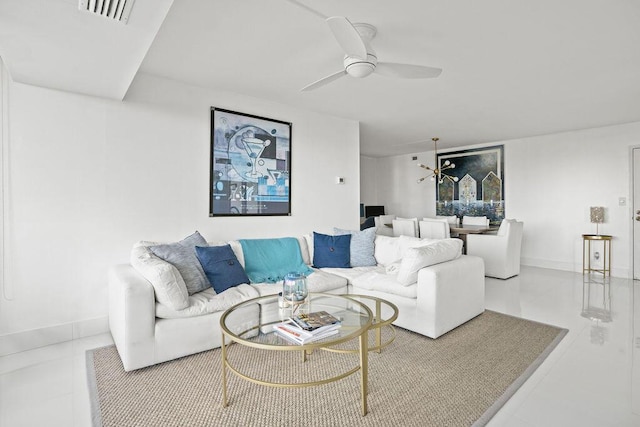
{"type": "Point", "coordinates": [432, 299]}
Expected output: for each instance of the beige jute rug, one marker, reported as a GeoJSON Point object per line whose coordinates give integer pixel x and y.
{"type": "Point", "coordinates": [459, 379]}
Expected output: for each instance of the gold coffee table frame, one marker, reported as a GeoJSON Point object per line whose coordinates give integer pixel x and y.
{"type": "Point", "coordinates": [246, 337]}
{"type": "Point", "coordinates": [378, 322]}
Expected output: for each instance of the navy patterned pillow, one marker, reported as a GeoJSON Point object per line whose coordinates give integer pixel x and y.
{"type": "Point", "coordinates": [331, 251]}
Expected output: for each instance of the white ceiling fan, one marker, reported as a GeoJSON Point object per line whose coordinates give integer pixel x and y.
{"type": "Point", "coordinates": [360, 59]}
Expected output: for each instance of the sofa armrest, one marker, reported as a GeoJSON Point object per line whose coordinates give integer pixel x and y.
{"type": "Point", "coordinates": [450, 293]}
{"type": "Point", "coordinates": [131, 315]}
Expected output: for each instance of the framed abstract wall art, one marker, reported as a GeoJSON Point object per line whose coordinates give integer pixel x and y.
{"type": "Point", "coordinates": [480, 187]}
{"type": "Point", "coordinates": [250, 165]}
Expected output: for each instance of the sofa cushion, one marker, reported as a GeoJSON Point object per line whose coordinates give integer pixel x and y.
{"type": "Point", "coordinates": [379, 281]}
{"type": "Point", "coordinates": [168, 285]}
{"type": "Point", "coordinates": [351, 273]}
{"type": "Point", "coordinates": [331, 251]}
{"type": "Point", "coordinates": [319, 281]}
{"type": "Point", "coordinates": [208, 301]}
{"type": "Point", "coordinates": [361, 248]}
{"type": "Point", "coordinates": [221, 267]}
{"type": "Point", "coordinates": [182, 255]}
{"type": "Point", "coordinates": [419, 257]}
{"type": "Point", "coordinates": [269, 260]}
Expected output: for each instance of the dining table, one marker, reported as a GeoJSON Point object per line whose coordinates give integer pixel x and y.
{"type": "Point", "coordinates": [463, 230]}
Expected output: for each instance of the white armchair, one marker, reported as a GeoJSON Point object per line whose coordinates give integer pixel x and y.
{"type": "Point", "coordinates": [434, 229]}
{"type": "Point", "coordinates": [475, 220]}
{"type": "Point", "coordinates": [500, 252]}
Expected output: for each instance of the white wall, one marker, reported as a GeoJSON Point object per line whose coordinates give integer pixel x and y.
{"type": "Point", "coordinates": [550, 183]}
{"type": "Point", "coordinates": [89, 177]}
{"type": "Point", "coordinates": [368, 174]}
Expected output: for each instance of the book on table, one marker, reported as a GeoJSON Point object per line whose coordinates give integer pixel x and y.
{"type": "Point", "coordinates": [292, 332]}
{"type": "Point", "coordinates": [315, 321]}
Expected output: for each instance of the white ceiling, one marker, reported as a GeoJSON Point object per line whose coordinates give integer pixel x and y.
{"type": "Point", "coordinates": [511, 68]}
{"type": "Point", "coordinates": [53, 44]}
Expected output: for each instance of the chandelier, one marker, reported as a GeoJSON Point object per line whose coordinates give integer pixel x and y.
{"type": "Point", "coordinates": [437, 172]}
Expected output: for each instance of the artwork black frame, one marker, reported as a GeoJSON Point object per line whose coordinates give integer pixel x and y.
{"type": "Point", "coordinates": [250, 169]}
{"type": "Point", "coordinates": [480, 187]}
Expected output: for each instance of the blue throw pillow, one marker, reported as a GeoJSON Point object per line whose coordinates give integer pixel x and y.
{"type": "Point", "coordinates": [362, 247]}
{"type": "Point", "coordinates": [331, 251]}
{"type": "Point", "coordinates": [221, 266]}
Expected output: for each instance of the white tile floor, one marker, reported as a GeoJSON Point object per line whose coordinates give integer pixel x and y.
{"type": "Point", "coordinates": [591, 379]}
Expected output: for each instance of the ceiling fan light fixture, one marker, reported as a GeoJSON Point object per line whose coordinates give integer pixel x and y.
{"type": "Point", "coordinates": [360, 69]}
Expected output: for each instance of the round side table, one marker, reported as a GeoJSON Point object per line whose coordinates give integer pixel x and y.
{"type": "Point", "coordinates": [586, 253]}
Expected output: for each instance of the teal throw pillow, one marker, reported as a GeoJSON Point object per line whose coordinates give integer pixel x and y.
{"type": "Point", "coordinates": [331, 251]}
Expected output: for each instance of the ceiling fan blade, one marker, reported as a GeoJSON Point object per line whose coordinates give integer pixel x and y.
{"type": "Point", "coordinates": [407, 71]}
{"type": "Point", "coordinates": [347, 36]}
{"type": "Point", "coordinates": [307, 8]}
{"type": "Point", "coordinates": [323, 81]}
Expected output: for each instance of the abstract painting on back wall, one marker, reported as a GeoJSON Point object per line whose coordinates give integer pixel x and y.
{"type": "Point", "coordinates": [480, 187]}
{"type": "Point", "coordinates": [250, 165]}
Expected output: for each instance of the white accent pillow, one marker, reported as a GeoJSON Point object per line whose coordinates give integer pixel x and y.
{"type": "Point", "coordinates": [419, 257]}
{"type": "Point", "coordinates": [304, 249]}
{"type": "Point", "coordinates": [386, 249]}
{"type": "Point", "coordinates": [308, 238]}
{"type": "Point", "coordinates": [406, 242]}
{"type": "Point", "coordinates": [166, 280]}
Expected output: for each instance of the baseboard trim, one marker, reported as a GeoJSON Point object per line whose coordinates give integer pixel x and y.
{"type": "Point", "coordinates": [624, 273]}
{"type": "Point", "coordinates": [28, 340]}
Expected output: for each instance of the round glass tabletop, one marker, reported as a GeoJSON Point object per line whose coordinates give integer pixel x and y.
{"type": "Point", "coordinates": [251, 322]}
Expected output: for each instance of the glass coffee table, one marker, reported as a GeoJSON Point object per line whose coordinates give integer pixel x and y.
{"type": "Point", "coordinates": [384, 314]}
{"type": "Point", "coordinates": [250, 324]}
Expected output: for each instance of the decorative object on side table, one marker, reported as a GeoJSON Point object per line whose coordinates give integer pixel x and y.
{"type": "Point", "coordinates": [597, 216]}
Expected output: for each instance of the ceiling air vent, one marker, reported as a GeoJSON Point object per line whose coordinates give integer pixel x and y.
{"type": "Point", "coordinates": [118, 10]}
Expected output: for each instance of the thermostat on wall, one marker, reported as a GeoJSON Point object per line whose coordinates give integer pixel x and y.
{"type": "Point", "coordinates": [339, 180]}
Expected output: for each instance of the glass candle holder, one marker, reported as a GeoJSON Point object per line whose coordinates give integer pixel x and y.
{"type": "Point", "coordinates": [294, 288]}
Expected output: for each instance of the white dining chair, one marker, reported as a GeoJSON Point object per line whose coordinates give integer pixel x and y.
{"type": "Point", "coordinates": [475, 220]}
{"type": "Point", "coordinates": [405, 227]}
{"type": "Point", "coordinates": [501, 251]}
{"type": "Point", "coordinates": [451, 219]}
{"type": "Point", "coordinates": [383, 225]}
{"type": "Point", "coordinates": [431, 228]}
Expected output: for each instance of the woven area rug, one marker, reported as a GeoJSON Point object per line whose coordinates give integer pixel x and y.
{"type": "Point", "coordinates": [459, 379]}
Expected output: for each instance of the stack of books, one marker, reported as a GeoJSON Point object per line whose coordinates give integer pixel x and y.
{"type": "Point", "coordinates": [306, 328]}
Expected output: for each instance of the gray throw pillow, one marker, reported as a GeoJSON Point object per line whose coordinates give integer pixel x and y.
{"type": "Point", "coordinates": [182, 255]}
{"type": "Point", "coordinates": [362, 247]}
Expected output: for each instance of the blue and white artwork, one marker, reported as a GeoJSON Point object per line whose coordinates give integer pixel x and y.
{"type": "Point", "coordinates": [479, 190]}
{"type": "Point", "coordinates": [250, 165]}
